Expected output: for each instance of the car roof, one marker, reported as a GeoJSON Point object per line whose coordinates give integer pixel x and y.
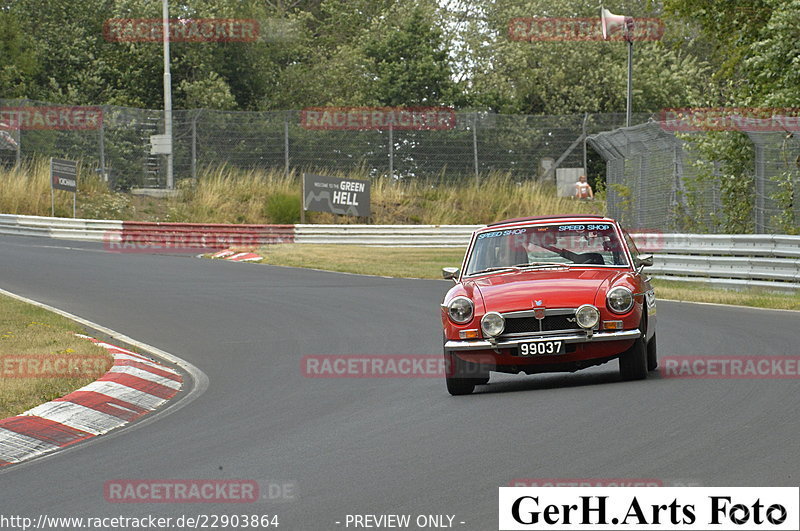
{"type": "Point", "coordinates": [577, 217]}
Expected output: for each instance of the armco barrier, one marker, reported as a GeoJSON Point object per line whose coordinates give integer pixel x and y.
{"type": "Point", "coordinates": [62, 228]}
{"type": "Point", "coordinates": [390, 235]}
{"type": "Point", "coordinates": [203, 235]}
{"type": "Point", "coordinates": [727, 260]}
{"type": "Point", "coordinates": [770, 261]}
{"type": "Point", "coordinates": [119, 234]}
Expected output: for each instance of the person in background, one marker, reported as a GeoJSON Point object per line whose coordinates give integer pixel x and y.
{"type": "Point", "coordinates": [583, 190]}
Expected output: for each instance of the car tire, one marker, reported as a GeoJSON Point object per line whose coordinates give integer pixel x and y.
{"type": "Point", "coordinates": [460, 386]}
{"type": "Point", "coordinates": [633, 362]}
{"type": "Point", "coordinates": [457, 385]}
{"type": "Point", "coordinates": [652, 354]}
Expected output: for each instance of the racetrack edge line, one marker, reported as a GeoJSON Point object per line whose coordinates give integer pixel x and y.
{"type": "Point", "coordinates": [199, 380]}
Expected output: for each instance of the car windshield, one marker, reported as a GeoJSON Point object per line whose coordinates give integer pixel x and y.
{"type": "Point", "coordinates": [542, 246]}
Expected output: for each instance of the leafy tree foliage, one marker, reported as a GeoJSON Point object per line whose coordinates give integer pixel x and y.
{"type": "Point", "coordinates": [412, 52]}
{"type": "Point", "coordinates": [569, 77]}
{"type": "Point", "coordinates": [18, 61]}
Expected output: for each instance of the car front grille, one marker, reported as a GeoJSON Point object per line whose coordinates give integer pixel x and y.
{"type": "Point", "coordinates": [551, 323]}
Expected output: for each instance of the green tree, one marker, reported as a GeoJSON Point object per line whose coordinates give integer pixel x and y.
{"type": "Point", "coordinates": [18, 61]}
{"type": "Point", "coordinates": [408, 60]}
{"type": "Point", "coordinates": [569, 77]}
{"type": "Point", "coordinates": [773, 63]}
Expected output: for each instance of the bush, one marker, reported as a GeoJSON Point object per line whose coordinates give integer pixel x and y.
{"type": "Point", "coordinates": [283, 209]}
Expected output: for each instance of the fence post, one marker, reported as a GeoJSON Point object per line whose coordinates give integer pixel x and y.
{"type": "Point", "coordinates": [475, 145]}
{"type": "Point", "coordinates": [195, 116]}
{"type": "Point", "coordinates": [18, 153]}
{"type": "Point", "coordinates": [101, 139]}
{"type": "Point", "coordinates": [18, 158]}
{"type": "Point", "coordinates": [583, 130]}
{"type": "Point", "coordinates": [286, 141]}
{"type": "Point", "coordinates": [391, 151]}
{"type": "Point", "coordinates": [758, 206]}
{"type": "Point", "coordinates": [641, 184]}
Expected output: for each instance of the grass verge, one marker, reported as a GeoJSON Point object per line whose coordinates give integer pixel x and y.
{"type": "Point", "coordinates": [698, 292]}
{"type": "Point", "coordinates": [418, 262]}
{"type": "Point", "coordinates": [41, 358]}
{"type": "Point", "coordinates": [406, 262]}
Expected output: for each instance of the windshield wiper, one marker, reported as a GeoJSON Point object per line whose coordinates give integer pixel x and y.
{"type": "Point", "coordinates": [493, 270]}
{"type": "Point", "coordinates": [541, 264]}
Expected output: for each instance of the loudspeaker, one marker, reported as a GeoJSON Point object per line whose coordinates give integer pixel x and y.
{"type": "Point", "coordinates": [612, 22]}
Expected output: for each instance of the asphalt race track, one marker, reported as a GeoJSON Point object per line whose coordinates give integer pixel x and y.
{"type": "Point", "coordinates": [383, 446]}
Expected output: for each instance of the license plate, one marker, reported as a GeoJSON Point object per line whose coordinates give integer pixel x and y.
{"type": "Point", "coordinates": [540, 348]}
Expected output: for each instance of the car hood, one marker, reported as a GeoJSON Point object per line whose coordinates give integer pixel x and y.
{"type": "Point", "coordinates": [556, 288]}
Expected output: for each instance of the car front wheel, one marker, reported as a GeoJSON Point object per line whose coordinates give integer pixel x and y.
{"type": "Point", "coordinates": [652, 354]}
{"type": "Point", "coordinates": [633, 362]}
{"type": "Point", "coordinates": [457, 384]}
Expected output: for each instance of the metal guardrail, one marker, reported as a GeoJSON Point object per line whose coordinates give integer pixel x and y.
{"type": "Point", "coordinates": [726, 260]}
{"type": "Point", "coordinates": [768, 261]}
{"type": "Point", "coordinates": [61, 228]}
{"type": "Point", "coordinates": [119, 234]}
{"type": "Point", "coordinates": [388, 235]}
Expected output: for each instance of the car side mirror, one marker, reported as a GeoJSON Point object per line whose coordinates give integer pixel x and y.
{"type": "Point", "coordinates": [644, 260]}
{"type": "Point", "coordinates": [450, 273]}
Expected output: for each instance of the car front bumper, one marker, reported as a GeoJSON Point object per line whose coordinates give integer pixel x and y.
{"type": "Point", "coordinates": [581, 337]}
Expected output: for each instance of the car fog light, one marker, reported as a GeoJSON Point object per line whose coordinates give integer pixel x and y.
{"type": "Point", "coordinates": [587, 316]}
{"type": "Point", "coordinates": [493, 324]}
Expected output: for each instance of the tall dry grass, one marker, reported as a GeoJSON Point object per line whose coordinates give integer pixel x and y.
{"type": "Point", "coordinates": [229, 195]}
{"type": "Point", "coordinates": [225, 194]}
{"type": "Point", "coordinates": [26, 190]}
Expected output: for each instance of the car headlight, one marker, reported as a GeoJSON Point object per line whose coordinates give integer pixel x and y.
{"type": "Point", "coordinates": [460, 310]}
{"type": "Point", "coordinates": [619, 299]}
{"type": "Point", "coordinates": [587, 316]}
{"type": "Point", "coordinates": [493, 324]}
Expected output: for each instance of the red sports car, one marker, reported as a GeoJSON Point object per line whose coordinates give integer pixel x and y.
{"type": "Point", "coordinates": [548, 294]}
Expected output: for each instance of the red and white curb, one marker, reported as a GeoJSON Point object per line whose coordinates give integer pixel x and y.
{"type": "Point", "coordinates": [227, 254]}
{"type": "Point", "coordinates": [134, 386]}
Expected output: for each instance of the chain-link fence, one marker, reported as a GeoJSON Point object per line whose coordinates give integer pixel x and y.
{"type": "Point", "coordinates": [475, 143]}
{"type": "Point", "coordinates": [746, 180]}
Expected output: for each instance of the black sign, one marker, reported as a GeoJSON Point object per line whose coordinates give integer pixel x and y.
{"type": "Point", "coordinates": [64, 175]}
{"type": "Point", "coordinates": [338, 196]}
